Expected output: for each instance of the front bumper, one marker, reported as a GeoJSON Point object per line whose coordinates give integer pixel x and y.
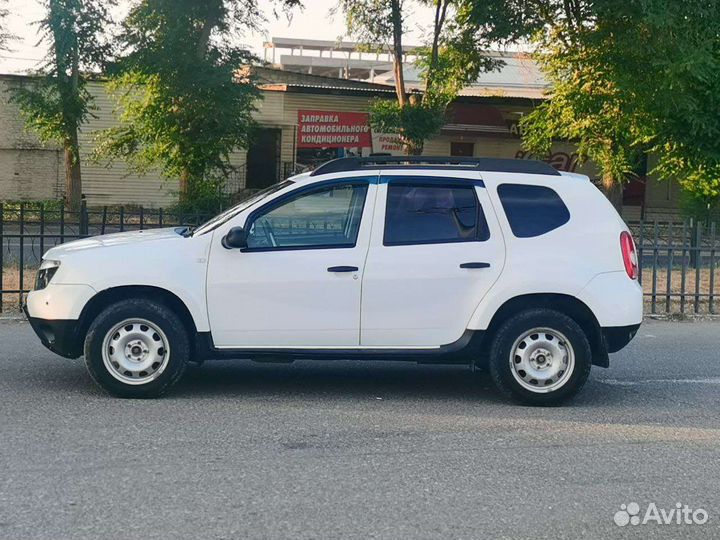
{"type": "Point", "coordinates": [60, 336]}
{"type": "Point", "coordinates": [54, 314]}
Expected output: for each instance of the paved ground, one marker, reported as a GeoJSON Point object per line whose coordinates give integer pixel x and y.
{"type": "Point", "coordinates": [367, 450]}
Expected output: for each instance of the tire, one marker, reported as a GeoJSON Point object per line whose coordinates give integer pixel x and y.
{"type": "Point", "coordinates": [540, 357]}
{"type": "Point", "coordinates": [137, 348]}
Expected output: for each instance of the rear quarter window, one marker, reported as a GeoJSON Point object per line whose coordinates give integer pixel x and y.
{"type": "Point", "coordinates": [532, 210]}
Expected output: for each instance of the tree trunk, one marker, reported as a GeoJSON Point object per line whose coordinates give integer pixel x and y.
{"type": "Point", "coordinates": [68, 88]}
{"type": "Point", "coordinates": [73, 178]}
{"type": "Point", "coordinates": [184, 186]}
{"type": "Point", "coordinates": [210, 22]}
{"type": "Point", "coordinates": [413, 148]}
{"type": "Point", "coordinates": [397, 53]}
{"type": "Point", "coordinates": [613, 191]}
{"type": "Point", "coordinates": [440, 15]}
{"type": "Point", "coordinates": [65, 43]}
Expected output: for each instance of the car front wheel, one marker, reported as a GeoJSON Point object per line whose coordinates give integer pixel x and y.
{"type": "Point", "coordinates": [540, 357]}
{"type": "Point", "coordinates": [136, 348]}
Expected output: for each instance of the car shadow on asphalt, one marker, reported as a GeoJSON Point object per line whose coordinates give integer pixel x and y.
{"type": "Point", "coordinates": [341, 380]}
{"type": "Point", "coordinates": [336, 380]}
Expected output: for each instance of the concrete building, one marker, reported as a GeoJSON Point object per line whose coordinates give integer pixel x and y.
{"type": "Point", "coordinates": [340, 59]}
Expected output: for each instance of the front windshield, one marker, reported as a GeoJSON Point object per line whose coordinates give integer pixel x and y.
{"type": "Point", "coordinates": [235, 210]}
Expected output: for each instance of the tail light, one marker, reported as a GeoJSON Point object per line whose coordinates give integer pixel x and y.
{"type": "Point", "coordinates": [627, 246]}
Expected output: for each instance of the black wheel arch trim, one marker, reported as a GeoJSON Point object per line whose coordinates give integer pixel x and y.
{"type": "Point", "coordinates": [564, 303]}
{"type": "Point", "coordinates": [67, 337]}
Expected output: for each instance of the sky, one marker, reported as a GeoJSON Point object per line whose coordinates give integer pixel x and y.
{"type": "Point", "coordinates": [313, 22]}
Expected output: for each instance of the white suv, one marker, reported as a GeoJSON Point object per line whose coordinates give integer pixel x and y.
{"type": "Point", "coordinates": [504, 264]}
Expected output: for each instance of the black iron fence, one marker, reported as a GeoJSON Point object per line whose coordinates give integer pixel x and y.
{"type": "Point", "coordinates": [27, 231]}
{"type": "Point", "coordinates": [678, 264]}
{"type": "Point", "coordinates": [678, 260]}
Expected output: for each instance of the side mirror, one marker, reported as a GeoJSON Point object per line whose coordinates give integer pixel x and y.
{"type": "Point", "coordinates": [236, 238]}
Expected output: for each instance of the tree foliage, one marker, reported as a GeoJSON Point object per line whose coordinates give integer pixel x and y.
{"type": "Point", "coordinates": [454, 55]}
{"type": "Point", "coordinates": [458, 52]}
{"type": "Point", "coordinates": [184, 106]}
{"type": "Point", "coordinates": [630, 77]}
{"type": "Point", "coordinates": [57, 103]}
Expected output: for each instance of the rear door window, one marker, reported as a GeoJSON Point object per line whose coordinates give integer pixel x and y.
{"type": "Point", "coordinates": [418, 213]}
{"type": "Point", "coordinates": [532, 210]}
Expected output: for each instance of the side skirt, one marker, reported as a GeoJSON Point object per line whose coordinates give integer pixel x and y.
{"type": "Point", "coordinates": [463, 351]}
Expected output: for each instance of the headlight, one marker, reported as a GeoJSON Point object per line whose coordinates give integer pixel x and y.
{"type": "Point", "coordinates": [45, 274]}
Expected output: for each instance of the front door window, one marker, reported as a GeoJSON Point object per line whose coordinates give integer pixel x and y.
{"type": "Point", "coordinates": [328, 217]}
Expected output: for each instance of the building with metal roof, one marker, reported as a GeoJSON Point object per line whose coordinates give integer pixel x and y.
{"type": "Point", "coordinates": [517, 76]}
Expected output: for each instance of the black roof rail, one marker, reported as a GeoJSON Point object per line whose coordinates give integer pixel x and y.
{"type": "Point", "coordinates": [527, 166]}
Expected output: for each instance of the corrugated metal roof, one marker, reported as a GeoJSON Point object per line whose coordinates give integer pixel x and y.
{"type": "Point", "coordinates": [327, 45]}
{"type": "Point", "coordinates": [320, 87]}
{"type": "Point", "coordinates": [519, 77]}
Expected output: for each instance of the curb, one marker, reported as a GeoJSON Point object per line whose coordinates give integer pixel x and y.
{"type": "Point", "coordinates": [9, 318]}
{"type": "Point", "coordinates": [681, 317]}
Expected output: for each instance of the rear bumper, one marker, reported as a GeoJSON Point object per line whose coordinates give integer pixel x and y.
{"type": "Point", "coordinates": [60, 336]}
{"type": "Point", "coordinates": [617, 337]}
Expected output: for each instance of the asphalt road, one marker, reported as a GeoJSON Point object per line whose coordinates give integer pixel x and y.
{"type": "Point", "coordinates": [359, 450]}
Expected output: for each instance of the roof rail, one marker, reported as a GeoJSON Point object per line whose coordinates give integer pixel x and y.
{"type": "Point", "coordinates": [527, 166]}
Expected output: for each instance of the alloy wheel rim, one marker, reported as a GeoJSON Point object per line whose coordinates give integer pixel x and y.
{"type": "Point", "coordinates": [135, 351]}
{"type": "Point", "coordinates": [542, 360]}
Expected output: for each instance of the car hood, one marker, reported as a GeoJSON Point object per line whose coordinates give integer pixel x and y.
{"type": "Point", "coordinates": [115, 239]}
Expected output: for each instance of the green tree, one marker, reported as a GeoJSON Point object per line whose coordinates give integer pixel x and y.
{"type": "Point", "coordinates": [677, 83]}
{"type": "Point", "coordinates": [184, 106]}
{"type": "Point", "coordinates": [461, 33]}
{"type": "Point", "coordinates": [57, 103]}
{"type": "Point", "coordinates": [630, 77]}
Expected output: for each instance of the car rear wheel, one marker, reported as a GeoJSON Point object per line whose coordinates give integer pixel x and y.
{"type": "Point", "coordinates": [137, 348]}
{"type": "Point", "coordinates": [540, 357]}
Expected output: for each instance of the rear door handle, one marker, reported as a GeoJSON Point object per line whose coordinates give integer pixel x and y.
{"type": "Point", "coordinates": [343, 269]}
{"type": "Point", "coordinates": [475, 265]}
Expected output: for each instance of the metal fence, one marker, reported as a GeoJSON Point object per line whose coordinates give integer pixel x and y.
{"type": "Point", "coordinates": [27, 231]}
{"type": "Point", "coordinates": [678, 263]}
{"type": "Point", "coordinates": [678, 260]}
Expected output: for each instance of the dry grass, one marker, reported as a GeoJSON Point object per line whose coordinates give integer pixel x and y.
{"type": "Point", "coordinates": [676, 281]}
{"type": "Point", "coordinates": [11, 282]}
{"type": "Point", "coordinates": [676, 290]}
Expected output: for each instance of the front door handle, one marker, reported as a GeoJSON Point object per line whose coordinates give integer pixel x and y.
{"type": "Point", "coordinates": [343, 269]}
{"type": "Point", "coordinates": [475, 265]}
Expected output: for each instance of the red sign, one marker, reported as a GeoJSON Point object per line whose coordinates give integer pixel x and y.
{"type": "Point", "coordinates": [331, 129]}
